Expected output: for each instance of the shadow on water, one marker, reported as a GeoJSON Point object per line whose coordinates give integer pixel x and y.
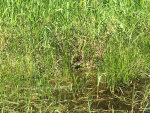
{"type": "Point", "coordinates": [134, 98]}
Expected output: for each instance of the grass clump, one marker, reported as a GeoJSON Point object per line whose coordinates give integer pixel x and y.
{"type": "Point", "coordinates": [64, 56]}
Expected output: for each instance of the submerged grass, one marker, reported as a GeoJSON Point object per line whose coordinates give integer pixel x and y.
{"type": "Point", "coordinates": [65, 55]}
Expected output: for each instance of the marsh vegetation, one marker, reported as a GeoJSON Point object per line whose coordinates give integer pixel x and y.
{"type": "Point", "coordinates": [75, 56]}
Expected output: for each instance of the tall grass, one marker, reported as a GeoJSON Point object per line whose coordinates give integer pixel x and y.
{"type": "Point", "coordinates": [40, 40]}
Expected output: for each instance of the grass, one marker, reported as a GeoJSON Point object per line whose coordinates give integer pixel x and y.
{"type": "Point", "coordinates": [74, 56]}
